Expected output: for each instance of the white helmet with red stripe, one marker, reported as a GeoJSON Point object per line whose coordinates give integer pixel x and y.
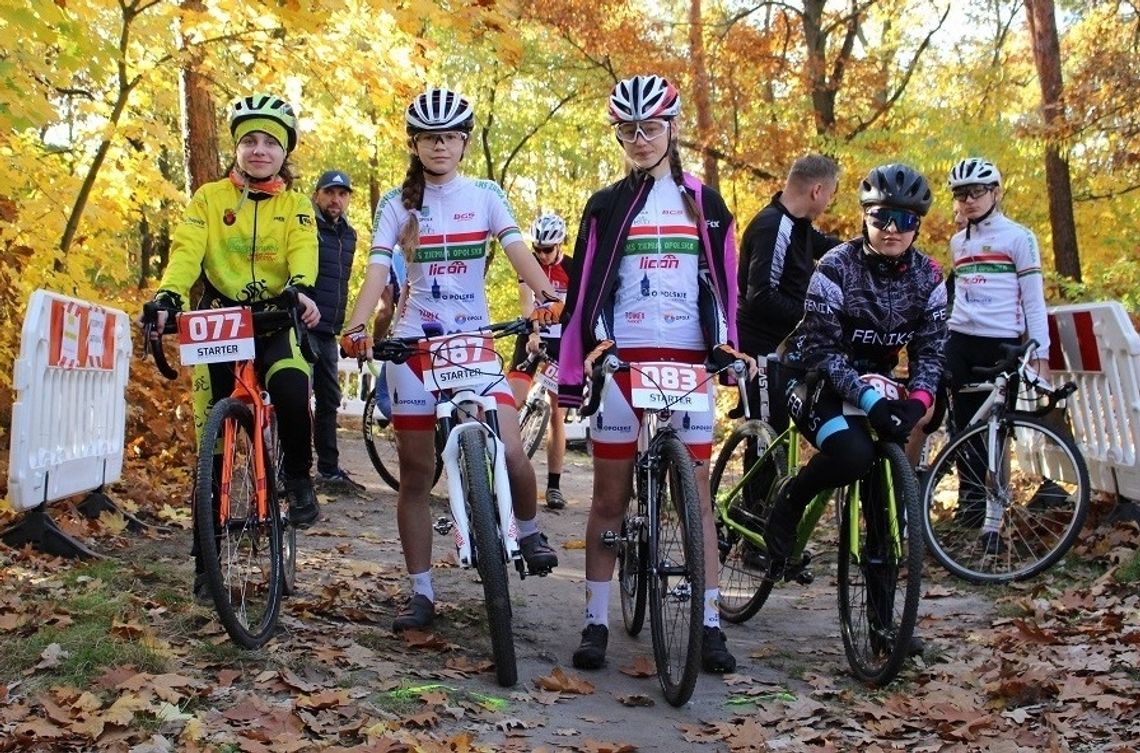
{"type": "Point", "coordinates": [642, 98]}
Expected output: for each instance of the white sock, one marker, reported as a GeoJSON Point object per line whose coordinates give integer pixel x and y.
{"type": "Point", "coordinates": [597, 603]}
{"type": "Point", "coordinates": [421, 584]}
{"type": "Point", "coordinates": [527, 527]}
{"type": "Point", "coordinates": [712, 608]}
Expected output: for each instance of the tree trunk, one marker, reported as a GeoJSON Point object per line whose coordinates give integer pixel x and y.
{"type": "Point", "coordinates": [701, 86]}
{"type": "Point", "coordinates": [815, 40]}
{"type": "Point", "coordinates": [1047, 57]}
{"type": "Point", "coordinates": [200, 128]}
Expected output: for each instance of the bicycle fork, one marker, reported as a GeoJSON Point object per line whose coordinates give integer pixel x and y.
{"type": "Point", "coordinates": [457, 500]}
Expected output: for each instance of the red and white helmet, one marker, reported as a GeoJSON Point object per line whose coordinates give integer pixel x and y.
{"type": "Point", "coordinates": [548, 230]}
{"type": "Point", "coordinates": [642, 98]}
{"type": "Point", "coordinates": [439, 110]}
{"type": "Point", "coordinates": [974, 171]}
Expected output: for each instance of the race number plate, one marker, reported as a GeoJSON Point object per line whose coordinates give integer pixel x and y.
{"type": "Point", "coordinates": [887, 387]}
{"type": "Point", "coordinates": [548, 376]}
{"type": "Point", "coordinates": [455, 361]}
{"type": "Point", "coordinates": [215, 335]}
{"type": "Point", "coordinates": [664, 384]}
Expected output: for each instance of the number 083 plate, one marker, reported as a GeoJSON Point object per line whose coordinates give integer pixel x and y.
{"type": "Point", "coordinates": [665, 384]}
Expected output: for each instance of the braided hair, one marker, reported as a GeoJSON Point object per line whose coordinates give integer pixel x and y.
{"type": "Point", "coordinates": [679, 178]}
{"type": "Point", "coordinates": [412, 197]}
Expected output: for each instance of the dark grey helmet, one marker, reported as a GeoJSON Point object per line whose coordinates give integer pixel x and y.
{"type": "Point", "coordinates": [896, 185]}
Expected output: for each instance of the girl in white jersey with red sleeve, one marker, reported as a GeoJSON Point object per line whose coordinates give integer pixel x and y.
{"type": "Point", "coordinates": [442, 222]}
{"type": "Point", "coordinates": [655, 261]}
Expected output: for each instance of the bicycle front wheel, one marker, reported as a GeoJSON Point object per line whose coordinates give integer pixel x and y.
{"type": "Point", "coordinates": [238, 535]}
{"type": "Point", "coordinates": [533, 418]}
{"type": "Point", "coordinates": [880, 566]}
{"type": "Point", "coordinates": [677, 572]}
{"type": "Point", "coordinates": [632, 575]}
{"type": "Point", "coordinates": [490, 559]}
{"type": "Point", "coordinates": [743, 565]}
{"type": "Point", "coordinates": [1015, 521]}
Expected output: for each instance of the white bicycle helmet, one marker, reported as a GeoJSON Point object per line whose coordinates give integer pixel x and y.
{"type": "Point", "coordinates": [974, 171]}
{"type": "Point", "coordinates": [268, 106]}
{"type": "Point", "coordinates": [439, 110]}
{"type": "Point", "coordinates": [548, 230]}
{"type": "Point", "coordinates": [642, 98]}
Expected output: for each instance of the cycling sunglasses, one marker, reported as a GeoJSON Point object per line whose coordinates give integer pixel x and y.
{"type": "Point", "coordinates": [904, 220]}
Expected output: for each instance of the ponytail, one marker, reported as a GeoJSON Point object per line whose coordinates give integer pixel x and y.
{"type": "Point", "coordinates": [412, 197]}
{"type": "Point", "coordinates": [679, 178]}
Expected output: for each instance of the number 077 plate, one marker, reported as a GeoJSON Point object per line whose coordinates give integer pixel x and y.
{"type": "Point", "coordinates": [215, 335]}
{"type": "Point", "coordinates": [665, 384]}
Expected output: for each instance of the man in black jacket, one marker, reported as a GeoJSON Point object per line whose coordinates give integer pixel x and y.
{"type": "Point", "coordinates": [337, 240]}
{"type": "Point", "coordinates": [777, 258]}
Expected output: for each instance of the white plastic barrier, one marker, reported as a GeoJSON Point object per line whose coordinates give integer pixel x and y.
{"type": "Point", "coordinates": [69, 418]}
{"type": "Point", "coordinates": [354, 387]}
{"type": "Point", "coordinates": [1096, 346]}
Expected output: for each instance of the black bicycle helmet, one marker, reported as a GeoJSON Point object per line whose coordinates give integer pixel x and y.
{"type": "Point", "coordinates": [896, 185]}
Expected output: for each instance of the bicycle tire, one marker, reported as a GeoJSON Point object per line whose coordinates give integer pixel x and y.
{"type": "Point", "coordinates": [490, 559]}
{"type": "Point", "coordinates": [633, 583]}
{"type": "Point", "coordinates": [533, 418]}
{"type": "Point", "coordinates": [228, 548]}
{"type": "Point", "coordinates": [288, 530]}
{"type": "Point", "coordinates": [744, 589]}
{"type": "Point", "coordinates": [1044, 511]}
{"type": "Point", "coordinates": [380, 442]}
{"type": "Point", "coordinates": [677, 574]}
{"type": "Point", "coordinates": [877, 636]}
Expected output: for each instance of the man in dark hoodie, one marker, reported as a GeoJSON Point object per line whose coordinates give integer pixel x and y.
{"type": "Point", "coordinates": [777, 257]}
{"type": "Point", "coordinates": [337, 241]}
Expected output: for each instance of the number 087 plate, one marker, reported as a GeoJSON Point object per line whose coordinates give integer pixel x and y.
{"type": "Point", "coordinates": [665, 384]}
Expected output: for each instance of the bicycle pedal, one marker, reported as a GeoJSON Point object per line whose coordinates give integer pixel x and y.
{"type": "Point", "coordinates": [611, 538]}
{"type": "Point", "coordinates": [443, 526]}
{"type": "Point", "coordinates": [803, 577]}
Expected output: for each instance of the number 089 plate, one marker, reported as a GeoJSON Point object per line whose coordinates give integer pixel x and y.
{"type": "Point", "coordinates": [665, 384]}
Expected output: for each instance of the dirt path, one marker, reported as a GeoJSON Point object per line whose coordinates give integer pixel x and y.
{"type": "Point", "coordinates": [789, 656]}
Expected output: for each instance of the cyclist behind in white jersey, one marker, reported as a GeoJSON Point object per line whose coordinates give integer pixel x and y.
{"type": "Point", "coordinates": [653, 280]}
{"type": "Point", "coordinates": [999, 297]}
{"type": "Point", "coordinates": [548, 235]}
{"type": "Point", "coordinates": [443, 222]}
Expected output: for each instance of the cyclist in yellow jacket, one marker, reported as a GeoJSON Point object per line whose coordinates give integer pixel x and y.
{"type": "Point", "coordinates": [249, 237]}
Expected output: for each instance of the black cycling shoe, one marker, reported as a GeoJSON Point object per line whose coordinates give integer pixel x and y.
{"type": "Point", "coordinates": [715, 656]}
{"type": "Point", "coordinates": [418, 613]}
{"type": "Point", "coordinates": [539, 557]}
{"type": "Point", "coordinates": [591, 652]}
{"type": "Point", "coordinates": [303, 507]}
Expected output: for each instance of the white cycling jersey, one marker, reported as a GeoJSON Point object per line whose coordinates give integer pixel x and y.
{"type": "Point", "coordinates": [657, 289]}
{"type": "Point", "coordinates": [998, 287]}
{"type": "Point", "coordinates": [445, 280]}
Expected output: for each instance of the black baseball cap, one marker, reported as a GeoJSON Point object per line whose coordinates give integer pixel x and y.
{"type": "Point", "coordinates": [331, 178]}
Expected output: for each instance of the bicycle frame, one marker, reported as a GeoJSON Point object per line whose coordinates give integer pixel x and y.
{"type": "Point", "coordinates": [247, 388]}
{"type": "Point", "coordinates": [455, 415]}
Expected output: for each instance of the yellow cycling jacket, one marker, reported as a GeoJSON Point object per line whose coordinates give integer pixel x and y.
{"type": "Point", "coordinates": [250, 250]}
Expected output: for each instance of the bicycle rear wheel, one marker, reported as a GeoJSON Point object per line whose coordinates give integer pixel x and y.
{"type": "Point", "coordinates": [743, 565]}
{"type": "Point", "coordinates": [1016, 523]}
{"type": "Point", "coordinates": [677, 573]}
{"type": "Point", "coordinates": [632, 576]}
{"type": "Point", "coordinates": [880, 567]}
{"type": "Point", "coordinates": [533, 418]}
{"type": "Point", "coordinates": [238, 544]}
{"type": "Point", "coordinates": [490, 559]}
{"type": "Point", "coordinates": [380, 442]}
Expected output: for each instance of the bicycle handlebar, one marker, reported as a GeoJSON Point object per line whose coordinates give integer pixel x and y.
{"type": "Point", "coordinates": [263, 321]}
{"type": "Point", "coordinates": [1015, 360]}
{"type": "Point", "coordinates": [400, 349]}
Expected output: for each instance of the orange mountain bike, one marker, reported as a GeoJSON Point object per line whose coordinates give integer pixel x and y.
{"type": "Point", "coordinates": [246, 546]}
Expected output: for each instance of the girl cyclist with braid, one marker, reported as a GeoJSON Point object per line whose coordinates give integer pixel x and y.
{"type": "Point", "coordinates": [442, 223]}
{"type": "Point", "coordinates": [653, 280]}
